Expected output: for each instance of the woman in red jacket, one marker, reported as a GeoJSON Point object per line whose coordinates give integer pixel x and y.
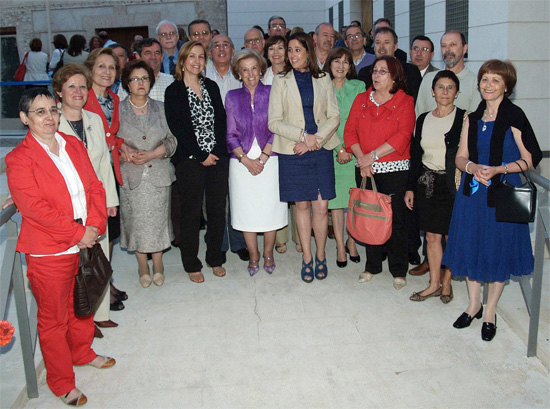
{"type": "Point", "coordinates": [53, 183]}
{"type": "Point", "coordinates": [378, 132]}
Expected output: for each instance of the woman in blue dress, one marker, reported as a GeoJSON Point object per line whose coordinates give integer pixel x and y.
{"type": "Point", "coordinates": [496, 140]}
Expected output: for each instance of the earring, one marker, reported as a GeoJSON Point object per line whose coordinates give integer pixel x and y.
{"type": "Point", "coordinates": [433, 95]}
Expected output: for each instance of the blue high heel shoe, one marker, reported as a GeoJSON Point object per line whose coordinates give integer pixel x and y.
{"type": "Point", "coordinates": [307, 271]}
{"type": "Point", "coordinates": [321, 270]}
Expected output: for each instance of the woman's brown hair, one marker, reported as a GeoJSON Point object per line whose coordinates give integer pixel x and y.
{"type": "Point", "coordinates": [306, 42]}
{"type": "Point", "coordinates": [183, 54]}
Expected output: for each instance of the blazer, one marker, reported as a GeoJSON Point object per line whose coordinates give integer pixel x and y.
{"type": "Point", "coordinates": [41, 195]}
{"type": "Point", "coordinates": [113, 141]}
{"type": "Point", "coordinates": [97, 151]}
{"type": "Point", "coordinates": [286, 113]}
{"type": "Point", "coordinates": [412, 76]}
{"type": "Point", "coordinates": [178, 117]}
{"type": "Point", "coordinates": [452, 138]}
{"type": "Point", "coordinates": [156, 132]}
{"type": "Point", "coordinates": [245, 124]}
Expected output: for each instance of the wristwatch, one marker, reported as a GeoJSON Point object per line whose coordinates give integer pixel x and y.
{"type": "Point", "coordinates": [374, 155]}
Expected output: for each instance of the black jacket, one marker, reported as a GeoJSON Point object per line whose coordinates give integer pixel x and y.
{"type": "Point", "coordinates": [178, 116]}
{"type": "Point", "coordinates": [412, 76]}
{"type": "Point", "coordinates": [452, 138]}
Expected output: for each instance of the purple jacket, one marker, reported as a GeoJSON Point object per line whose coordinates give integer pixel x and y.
{"type": "Point", "coordinates": [243, 124]}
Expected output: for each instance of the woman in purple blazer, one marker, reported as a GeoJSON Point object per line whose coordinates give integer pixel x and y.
{"type": "Point", "coordinates": [253, 167]}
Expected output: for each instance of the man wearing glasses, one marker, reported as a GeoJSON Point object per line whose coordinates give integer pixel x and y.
{"type": "Point", "coordinates": [276, 26]}
{"type": "Point", "coordinates": [168, 36]}
{"type": "Point", "coordinates": [422, 52]}
{"type": "Point", "coordinates": [355, 40]}
{"type": "Point", "coordinates": [254, 40]}
{"type": "Point", "coordinates": [200, 30]}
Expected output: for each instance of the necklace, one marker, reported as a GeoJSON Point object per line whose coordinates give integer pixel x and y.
{"type": "Point", "coordinates": [485, 113]}
{"type": "Point", "coordinates": [135, 106]}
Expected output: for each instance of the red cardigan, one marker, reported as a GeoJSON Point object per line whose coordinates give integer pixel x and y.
{"type": "Point", "coordinates": [41, 195]}
{"type": "Point", "coordinates": [370, 126]}
{"type": "Point", "coordinates": [113, 142]}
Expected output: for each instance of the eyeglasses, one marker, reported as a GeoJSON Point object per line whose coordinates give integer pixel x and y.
{"type": "Point", "coordinates": [43, 111]}
{"type": "Point", "coordinates": [278, 26]}
{"type": "Point", "coordinates": [423, 49]}
{"type": "Point", "coordinates": [253, 41]}
{"type": "Point", "coordinates": [140, 79]}
{"type": "Point", "coordinates": [217, 46]}
{"type": "Point", "coordinates": [169, 34]}
{"type": "Point", "coordinates": [202, 33]}
{"type": "Point", "coordinates": [380, 72]}
{"type": "Point", "coordinates": [354, 36]}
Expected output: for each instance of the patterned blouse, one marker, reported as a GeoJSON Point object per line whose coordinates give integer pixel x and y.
{"type": "Point", "coordinates": [107, 105]}
{"type": "Point", "coordinates": [202, 115]}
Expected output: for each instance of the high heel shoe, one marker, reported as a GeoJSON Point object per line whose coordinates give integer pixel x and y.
{"type": "Point", "coordinates": [307, 271]}
{"type": "Point", "coordinates": [355, 259]}
{"type": "Point", "coordinates": [321, 270]}
{"type": "Point", "coordinates": [465, 319]}
{"type": "Point", "coordinates": [253, 269]}
{"type": "Point", "coordinates": [269, 268]}
{"type": "Point", "coordinates": [489, 330]}
{"type": "Point", "coordinates": [341, 264]}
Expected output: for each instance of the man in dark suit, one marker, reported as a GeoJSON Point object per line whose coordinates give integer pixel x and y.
{"type": "Point", "coordinates": [422, 52]}
{"type": "Point", "coordinates": [385, 43]}
{"type": "Point", "coordinates": [384, 22]}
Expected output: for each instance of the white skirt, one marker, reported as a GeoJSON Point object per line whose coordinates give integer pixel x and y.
{"type": "Point", "coordinates": [255, 203]}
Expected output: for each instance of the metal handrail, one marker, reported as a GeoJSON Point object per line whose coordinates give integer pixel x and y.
{"type": "Point", "coordinates": [12, 272]}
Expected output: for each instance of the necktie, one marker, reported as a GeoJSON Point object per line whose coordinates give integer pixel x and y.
{"type": "Point", "coordinates": [171, 65]}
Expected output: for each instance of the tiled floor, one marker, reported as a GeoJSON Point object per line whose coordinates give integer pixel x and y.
{"type": "Point", "coordinates": [276, 342]}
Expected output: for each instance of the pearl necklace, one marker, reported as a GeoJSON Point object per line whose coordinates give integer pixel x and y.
{"type": "Point", "coordinates": [484, 128]}
{"type": "Point", "coordinates": [135, 106]}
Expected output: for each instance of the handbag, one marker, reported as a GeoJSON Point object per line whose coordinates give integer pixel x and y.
{"type": "Point", "coordinates": [516, 204]}
{"type": "Point", "coordinates": [94, 273]}
{"type": "Point", "coordinates": [369, 214]}
{"type": "Point", "coordinates": [22, 69]}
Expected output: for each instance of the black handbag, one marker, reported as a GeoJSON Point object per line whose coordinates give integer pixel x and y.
{"type": "Point", "coordinates": [94, 273]}
{"type": "Point", "coordinates": [516, 204]}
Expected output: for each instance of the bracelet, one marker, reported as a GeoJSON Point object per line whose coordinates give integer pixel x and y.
{"type": "Point", "coordinates": [265, 154]}
{"type": "Point", "coordinates": [341, 150]}
{"type": "Point", "coordinates": [241, 156]}
{"type": "Point", "coordinates": [303, 135]}
{"type": "Point", "coordinates": [466, 167]}
{"type": "Point", "coordinates": [375, 155]}
{"type": "Point", "coordinates": [505, 169]}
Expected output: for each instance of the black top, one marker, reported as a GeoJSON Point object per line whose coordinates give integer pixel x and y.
{"type": "Point", "coordinates": [178, 117]}
{"type": "Point", "coordinates": [412, 76]}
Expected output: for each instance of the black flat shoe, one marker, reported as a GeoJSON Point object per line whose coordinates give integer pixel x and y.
{"type": "Point", "coordinates": [117, 306]}
{"type": "Point", "coordinates": [489, 330]}
{"type": "Point", "coordinates": [341, 264]}
{"type": "Point", "coordinates": [355, 259]}
{"type": "Point", "coordinates": [465, 320]}
{"type": "Point", "coordinates": [243, 254]}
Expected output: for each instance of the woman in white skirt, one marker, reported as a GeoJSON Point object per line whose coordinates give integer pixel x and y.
{"type": "Point", "coordinates": [253, 168]}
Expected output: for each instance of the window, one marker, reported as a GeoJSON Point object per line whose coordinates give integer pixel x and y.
{"type": "Point", "coordinates": [389, 11]}
{"type": "Point", "coordinates": [340, 15]}
{"type": "Point", "coordinates": [416, 18]}
{"type": "Point", "coordinates": [456, 16]}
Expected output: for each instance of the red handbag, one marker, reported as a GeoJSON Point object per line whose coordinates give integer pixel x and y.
{"type": "Point", "coordinates": [369, 214]}
{"type": "Point", "coordinates": [22, 70]}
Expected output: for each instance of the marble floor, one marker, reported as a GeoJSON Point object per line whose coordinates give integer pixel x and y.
{"type": "Point", "coordinates": [272, 341]}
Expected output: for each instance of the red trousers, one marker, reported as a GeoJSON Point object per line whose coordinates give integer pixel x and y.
{"type": "Point", "coordinates": [65, 339]}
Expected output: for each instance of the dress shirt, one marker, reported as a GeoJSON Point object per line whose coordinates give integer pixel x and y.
{"type": "Point", "coordinates": [225, 83]}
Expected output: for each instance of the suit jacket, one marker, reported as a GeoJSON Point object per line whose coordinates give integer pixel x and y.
{"type": "Point", "coordinates": [412, 76]}
{"type": "Point", "coordinates": [178, 117]}
{"type": "Point", "coordinates": [286, 114]}
{"type": "Point", "coordinates": [41, 195]}
{"type": "Point", "coordinates": [431, 68]}
{"type": "Point", "coordinates": [97, 151]}
{"type": "Point", "coordinates": [113, 141]}
{"type": "Point", "coordinates": [156, 132]}
{"type": "Point", "coordinates": [245, 124]}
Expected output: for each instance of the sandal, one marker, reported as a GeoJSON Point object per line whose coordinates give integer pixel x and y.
{"type": "Point", "coordinates": [307, 271]}
{"type": "Point", "coordinates": [79, 400]}
{"type": "Point", "coordinates": [280, 248]}
{"type": "Point", "coordinates": [104, 363]}
{"type": "Point", "coordinates": [321, 270]}
{"type": "Point", "coordinates": [196, 277]}
{"type": "Point", "coordinates": [271, 267]}
{"type": "Point", "coordinates": [253, 269]}
{"type": "Point", "coordinates": [117, 306]}
{"type": "Point", "coordinates": [218, 271]}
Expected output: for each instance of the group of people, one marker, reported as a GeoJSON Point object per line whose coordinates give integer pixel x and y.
{"type": "Point", "coordinates": [195, 125]}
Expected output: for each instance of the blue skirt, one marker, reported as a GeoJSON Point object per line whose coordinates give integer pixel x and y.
{"type": "Point", "coordinates": [304, 177]}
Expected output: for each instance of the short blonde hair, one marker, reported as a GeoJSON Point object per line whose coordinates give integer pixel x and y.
{"type": "Point", "coordinates": [243, 55]}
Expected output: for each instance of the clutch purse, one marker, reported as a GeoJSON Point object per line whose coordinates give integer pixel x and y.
{"type": "Point", "coordinates": [516, 204]}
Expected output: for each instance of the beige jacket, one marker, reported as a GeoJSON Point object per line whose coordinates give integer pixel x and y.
{"type": "Point", "coordinates": [286, 115]}
{"type": "Point", "coordinates": [97, 151]}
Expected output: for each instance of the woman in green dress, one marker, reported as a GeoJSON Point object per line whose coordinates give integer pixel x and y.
{"type": "Point", "coordinates": [341, 69]}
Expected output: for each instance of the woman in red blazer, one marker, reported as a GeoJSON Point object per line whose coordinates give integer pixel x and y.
{"type": "Point", "coordinates": [52, 183]}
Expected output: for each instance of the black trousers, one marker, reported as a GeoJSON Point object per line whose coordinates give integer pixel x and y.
{"type": "Point", "coordinates": [397, 246]}
{"type": "Point", "coordinates": [195, 181]}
